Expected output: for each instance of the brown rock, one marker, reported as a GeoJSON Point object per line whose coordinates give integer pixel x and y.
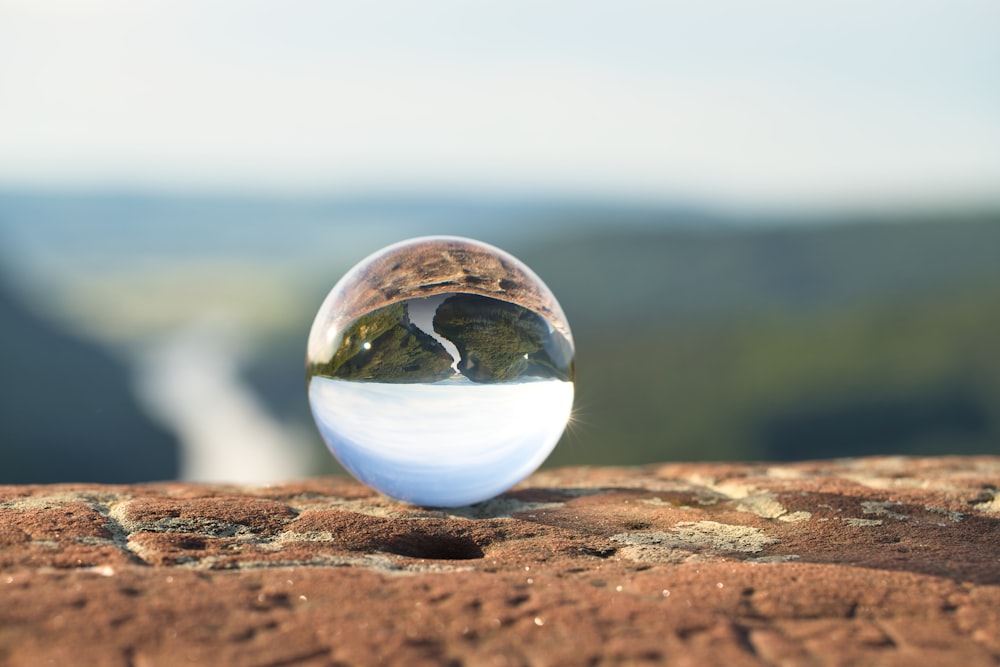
{"type": "Point", "coordinates": [871, 561]}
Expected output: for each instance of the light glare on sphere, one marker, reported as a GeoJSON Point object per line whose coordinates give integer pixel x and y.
{"type": "Point", "coordinates": [440, 371]}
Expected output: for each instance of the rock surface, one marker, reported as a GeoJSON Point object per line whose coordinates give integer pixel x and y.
{"type": "Point", "coordinates": [887, 561]}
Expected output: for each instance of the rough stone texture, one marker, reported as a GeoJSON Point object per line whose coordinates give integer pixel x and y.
{"type": "Point", "coordinates": [881, 561]}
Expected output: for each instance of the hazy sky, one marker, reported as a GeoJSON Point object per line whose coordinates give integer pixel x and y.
{"type": "Point", "coordinates": [774, 103]}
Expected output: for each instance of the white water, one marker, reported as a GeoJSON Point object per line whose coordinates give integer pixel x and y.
{"type": "Point", "coordinates": [189, 382]}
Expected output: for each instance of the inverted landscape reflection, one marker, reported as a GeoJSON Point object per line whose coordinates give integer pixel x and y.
{"type": "Point", "coordinates": [440, 371]}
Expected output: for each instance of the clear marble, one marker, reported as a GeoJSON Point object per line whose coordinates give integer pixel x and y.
{"type": "Point", "coordinates": [440, 371]}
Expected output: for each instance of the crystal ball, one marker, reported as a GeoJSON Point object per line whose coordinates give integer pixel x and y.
{"type": "Point", "coordinates": [440, 371]}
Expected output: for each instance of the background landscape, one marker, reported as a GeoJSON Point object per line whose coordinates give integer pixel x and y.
{"type": "Point", "coordinates": [699, 335]}
{"type": "Point", "coordinates": [774, 227]}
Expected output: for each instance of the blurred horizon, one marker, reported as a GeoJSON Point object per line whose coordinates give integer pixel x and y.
{"type": "Point", "coordinates": [775, 228]}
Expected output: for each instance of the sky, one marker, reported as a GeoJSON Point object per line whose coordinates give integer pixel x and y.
{"type": "Point", "coordinates": [773, 103]}
{"type": "Point", "coordinates": [439, 446]}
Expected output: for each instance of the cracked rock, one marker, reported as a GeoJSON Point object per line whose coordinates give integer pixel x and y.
{"type": "Point", "coordinates": [861, 561]}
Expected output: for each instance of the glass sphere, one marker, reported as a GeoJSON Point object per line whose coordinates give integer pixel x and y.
{"type": "Point", "coordinates": [440, 371]}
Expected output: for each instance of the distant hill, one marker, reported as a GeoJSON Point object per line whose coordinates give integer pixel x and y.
{"type": "Point", "coordinates": [915, 376]}
{"type": "Point", "coordinates": [103, 228]}
{"type": "Point", "coordinates": [67, 412]}
{"type": "Point", "coordinates": [782, 343]}
{"type": "Point", "coordinates": [671, 275]}
{"type": "Point", "coordinates": [699, 336]}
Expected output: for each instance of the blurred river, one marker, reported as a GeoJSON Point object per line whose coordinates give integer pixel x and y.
{"type": "Point", "coordinates": [190, 383]}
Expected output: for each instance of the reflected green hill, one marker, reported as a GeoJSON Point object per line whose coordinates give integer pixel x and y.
{"type": "Point", "coordinates": [384, 346]}
{"type": "Point", "coordinates": [497, 342]}
{"type": "Point", "coordinates": [500, 341]}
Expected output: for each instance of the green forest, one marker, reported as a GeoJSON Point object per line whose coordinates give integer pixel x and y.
{"type": "Point", "coordinates": [919, 376]}
{"type": "Point", "coordinates": [783, 343]}
{"type": "Point", "coordinates": [383, 346]}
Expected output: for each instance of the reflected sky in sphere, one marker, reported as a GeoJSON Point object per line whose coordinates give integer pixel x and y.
{"type": "Point", "coordinates": [440, 371]}
{"type": "Point", "coordinates": [442, 444]}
